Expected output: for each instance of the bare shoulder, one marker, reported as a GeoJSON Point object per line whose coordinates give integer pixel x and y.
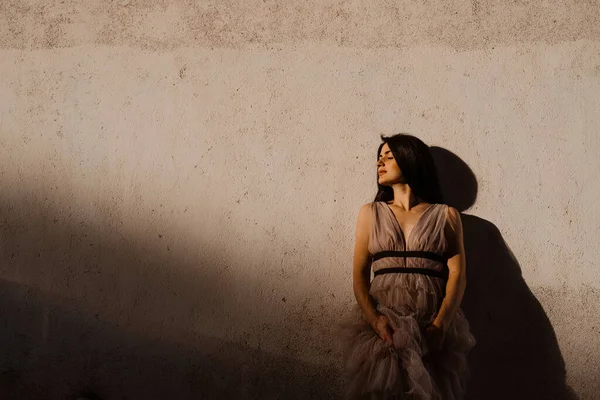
{"type": "Point", "coordinates": [365, 211]}
{"type": "Point", "coordinates": [365, 216]}
{"type": "Point", "coordinates": [367, 206]}
{"type": "Point", "coordinates": [363, 230]}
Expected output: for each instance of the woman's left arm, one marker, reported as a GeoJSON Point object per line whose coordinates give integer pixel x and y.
{"type": "Point", "coordinates": [457, 278]}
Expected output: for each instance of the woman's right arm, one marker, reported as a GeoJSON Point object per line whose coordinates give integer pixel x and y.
{"type": "Point", "coordinates": [362, 265]}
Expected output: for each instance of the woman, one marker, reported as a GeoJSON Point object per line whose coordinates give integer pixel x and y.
{"type": "Point", "coordinates": [407, 337]}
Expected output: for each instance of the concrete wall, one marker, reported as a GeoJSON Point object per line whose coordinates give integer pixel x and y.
{"type": "Point", "coordinates": [180, 183]}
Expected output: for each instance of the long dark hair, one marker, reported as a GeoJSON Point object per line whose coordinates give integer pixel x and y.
{"type": "Point", "coordinates": [416, 164]}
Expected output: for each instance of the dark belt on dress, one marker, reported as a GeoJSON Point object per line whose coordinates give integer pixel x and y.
{"type": "Point", "coordinates": [412, 253]}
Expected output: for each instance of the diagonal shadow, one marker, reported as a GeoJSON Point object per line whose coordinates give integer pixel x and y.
{"type": "Point", "coordinates": [87, 309]}
{"type": "Point", "coordinates": [83, 308]}
{"type": "Point", "coordinates": [56, 352]}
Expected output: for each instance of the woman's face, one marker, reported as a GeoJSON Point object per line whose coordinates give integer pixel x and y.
{"type": "Point", "coordinates": [387, 169]}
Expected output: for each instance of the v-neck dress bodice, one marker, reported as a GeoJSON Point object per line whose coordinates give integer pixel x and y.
{"type": "Point", "coordinates": [411, 302]}
{"type": "Point", "coordinates": [426, 235]}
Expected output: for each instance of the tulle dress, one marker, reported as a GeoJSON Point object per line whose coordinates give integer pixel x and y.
{"type": "Point", "coordinates": [374, 369]}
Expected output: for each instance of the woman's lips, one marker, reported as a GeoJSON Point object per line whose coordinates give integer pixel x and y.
{"type": "Point", "coordinates": [382, 172]}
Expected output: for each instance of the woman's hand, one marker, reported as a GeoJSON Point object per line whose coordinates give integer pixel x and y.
{"type": "Point", "coordinates": [434, 336]}
{"type": "Point", "coordinates": [384, 329]}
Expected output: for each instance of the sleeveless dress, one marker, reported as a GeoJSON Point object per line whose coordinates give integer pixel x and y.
{"type": "Point", "coordinates": [374, 369]}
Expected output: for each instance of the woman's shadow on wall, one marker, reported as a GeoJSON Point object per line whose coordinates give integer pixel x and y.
{"type": "Point", "coordinates": [517, 355]}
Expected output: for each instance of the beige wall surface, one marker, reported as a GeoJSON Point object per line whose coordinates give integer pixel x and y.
{"type": "Point", "coordinates": [180, 183]}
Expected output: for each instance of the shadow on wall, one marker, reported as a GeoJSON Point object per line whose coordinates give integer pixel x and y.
{"type": "Point", "coordinates": [84, 308]}
{"type": "Point", "coordinates": [517, 354]}
{"type": "Point", "coordinates": [86, 311]}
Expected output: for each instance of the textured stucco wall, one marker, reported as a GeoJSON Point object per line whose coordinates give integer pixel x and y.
{"type": "Point", "coordinates": [180, 183]}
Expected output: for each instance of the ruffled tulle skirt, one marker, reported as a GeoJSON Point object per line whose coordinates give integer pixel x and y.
{"type": "Point", "coordinates": [374, 369]}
